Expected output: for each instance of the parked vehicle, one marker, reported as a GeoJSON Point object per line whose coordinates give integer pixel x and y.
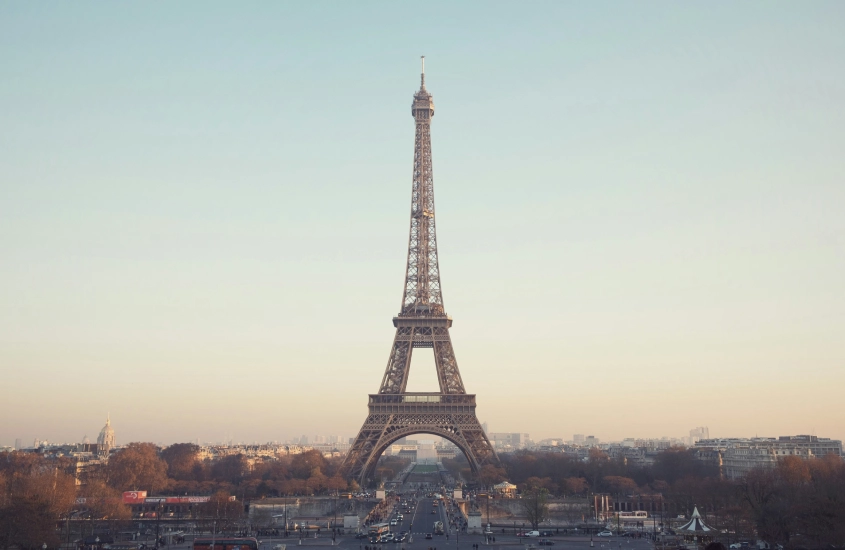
{"type": "Point", "coordinates": [605, 534]}
{"type": "Point", "coordinates": [545, 542]}
{"type": "Point", "coordinates": [532, 534]}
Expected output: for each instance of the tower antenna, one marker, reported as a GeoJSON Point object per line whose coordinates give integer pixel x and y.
{"type": "Point", "coordinates": [422, 74]}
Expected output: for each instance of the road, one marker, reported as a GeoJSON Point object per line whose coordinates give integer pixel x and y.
{"type": "Point", "coordinates": [419, 521]}
{"type": "Point", "coordinates": [466, 542]}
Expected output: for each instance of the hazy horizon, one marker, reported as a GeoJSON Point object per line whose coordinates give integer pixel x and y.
{"type": "Point", "coordinates": [204, 215]}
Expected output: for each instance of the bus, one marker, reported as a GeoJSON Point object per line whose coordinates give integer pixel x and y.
{"type": "Point", "coordinates": [226, 543]}
{"type": "Point", "coordinates": [378, 529]}
{"type": "Point", "coordinates": [632, 520]}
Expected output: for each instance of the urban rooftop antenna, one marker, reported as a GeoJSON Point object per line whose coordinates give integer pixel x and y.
{"type": "Point", "coordinates": [422, 74]}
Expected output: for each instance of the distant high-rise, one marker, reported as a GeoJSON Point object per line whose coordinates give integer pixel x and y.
{"type": "Point", "coordinates": [697, 434]}
{"type": "Point", "coordinates": [484, 427]}
{"type": "Point", "coordinates": [303, 440]}
{"type": "Point", "coordinates": [578, 439]}
{"type": "Point", "coordinates": [18, 444]}
{"type": "Point", "coordinates": [514, 440]}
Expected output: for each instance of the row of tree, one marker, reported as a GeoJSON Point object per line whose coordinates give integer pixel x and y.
{"type": "Point", "coordinates": [798, 496]}
{"type": "Point", "coordinates": [562, 474]}
{"type": "Point", "coordinates": [179, 469]}
{"type": "Point", "coordinates": [799, 503]}
{"type": "Point", "coordinates": [35, 491]}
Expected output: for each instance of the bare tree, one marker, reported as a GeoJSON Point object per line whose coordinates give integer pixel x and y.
{"type": "Point", "coordinates": [534, 503]}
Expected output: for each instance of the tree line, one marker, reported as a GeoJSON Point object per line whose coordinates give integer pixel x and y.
{"type": "Point", "coordinates": [36, 492]}
{"type": "Point", "coordinates": [799, 503]}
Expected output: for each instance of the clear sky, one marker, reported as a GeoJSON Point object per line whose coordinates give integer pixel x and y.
{"type": "Point", "coordinates": [204, 214]}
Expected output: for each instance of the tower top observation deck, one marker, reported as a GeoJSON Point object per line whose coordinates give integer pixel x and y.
{"type": "Point", "coordinates": [422, 107]}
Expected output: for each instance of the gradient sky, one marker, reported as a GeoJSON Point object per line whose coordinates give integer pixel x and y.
{"type": "Point", "coordinates": [204, 214]}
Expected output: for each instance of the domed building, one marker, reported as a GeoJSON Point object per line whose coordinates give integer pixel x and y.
{"type": "Point", "coordinates": [105, 441]}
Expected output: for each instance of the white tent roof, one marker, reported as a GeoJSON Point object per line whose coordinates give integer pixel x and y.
{"type": "Point", "coordinates": [695, 524]}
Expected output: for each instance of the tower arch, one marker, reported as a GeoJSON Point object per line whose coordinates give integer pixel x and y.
{"type": "Point", "coordinates": [370, 468]}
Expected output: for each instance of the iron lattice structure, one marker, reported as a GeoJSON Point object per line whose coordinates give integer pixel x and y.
{"type": "Point", "coordinates": [422, 323]}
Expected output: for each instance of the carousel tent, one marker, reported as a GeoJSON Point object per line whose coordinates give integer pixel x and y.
{"type": "Point", "coordinates": [695, 524]}
{"type": "Point", "coordinates": [505, 488]}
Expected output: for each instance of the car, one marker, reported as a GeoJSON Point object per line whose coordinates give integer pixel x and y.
{"type": "Point", "coordinates": [547, 533]}
{"type": "Point", "coordinates": [605, 534]}
{"type": "Point", "coordinates": [434, 511]}
{"type": "Point", "coordinates": [388, 537]}
{"type": "Point", "coordinates": [400, 538]}
{"type": "Point", "coordinates": [428, 536]}
{"type": "Point", "coordinates": [532, 534]}
{"type": "Point", "coordinates": [393, 522]}
{"type": "Point", "coordinates": [735, 545]}
{"type": "Point", "coordinates": [545, 542]}
{"type": "Point", "coordinates": [362, 536]}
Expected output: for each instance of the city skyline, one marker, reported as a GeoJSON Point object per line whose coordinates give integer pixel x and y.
{"type": "Point", "coordinates": [346, 439]}
{"type": "Point", "coordinates": [204, 224]}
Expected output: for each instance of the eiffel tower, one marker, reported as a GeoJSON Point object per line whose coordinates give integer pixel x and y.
{"type": "Point", "coordinates": [422, 323]}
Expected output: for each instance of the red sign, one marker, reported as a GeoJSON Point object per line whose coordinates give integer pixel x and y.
{"type": "Point", "coordinates": [134, 497]}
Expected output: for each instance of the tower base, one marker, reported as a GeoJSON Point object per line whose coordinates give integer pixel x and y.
{"type": "Point", "coordinates": [394, 416]}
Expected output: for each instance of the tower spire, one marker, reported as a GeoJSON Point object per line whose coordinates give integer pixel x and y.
{"type": "Point", "coordinates": [422, 73]}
